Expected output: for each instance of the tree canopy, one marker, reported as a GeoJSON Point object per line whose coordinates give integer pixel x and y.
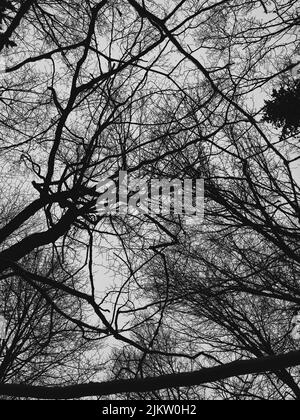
{"type": "Point", "coordinates": [144, 306]}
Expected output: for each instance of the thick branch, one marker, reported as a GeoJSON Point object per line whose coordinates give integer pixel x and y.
{"type": "Point", "coordinates": [4, 38]}
{"type": "Point", "coordinates": [201, 377]}
{"type": "Point", "coordinates": [28, 212]}
{"type": "Point", "coordinates": [36, 240]}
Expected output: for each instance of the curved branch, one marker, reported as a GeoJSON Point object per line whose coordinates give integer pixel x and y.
{"type": "Point", "coordinates": [201, 377]}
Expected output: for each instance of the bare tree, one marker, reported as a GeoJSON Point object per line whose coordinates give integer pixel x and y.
{"type": "Point", "coordinates": [42, 345]}
{"type": "Point", "coordinates": [96, 87]}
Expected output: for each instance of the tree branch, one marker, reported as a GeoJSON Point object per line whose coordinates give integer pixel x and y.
{"type": "Point", "coordinates": [201, 377]}
{"type": "Point", "coordinates": [4, 38]}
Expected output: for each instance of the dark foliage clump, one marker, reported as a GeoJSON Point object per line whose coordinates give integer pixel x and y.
{"type": "Point", "coordinates": [284, 109]}
{"type": "Point", "coordinates": [6, 7]}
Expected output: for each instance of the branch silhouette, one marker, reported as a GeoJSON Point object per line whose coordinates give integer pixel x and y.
{"type": "Point", "coordinates": [200, 377]}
